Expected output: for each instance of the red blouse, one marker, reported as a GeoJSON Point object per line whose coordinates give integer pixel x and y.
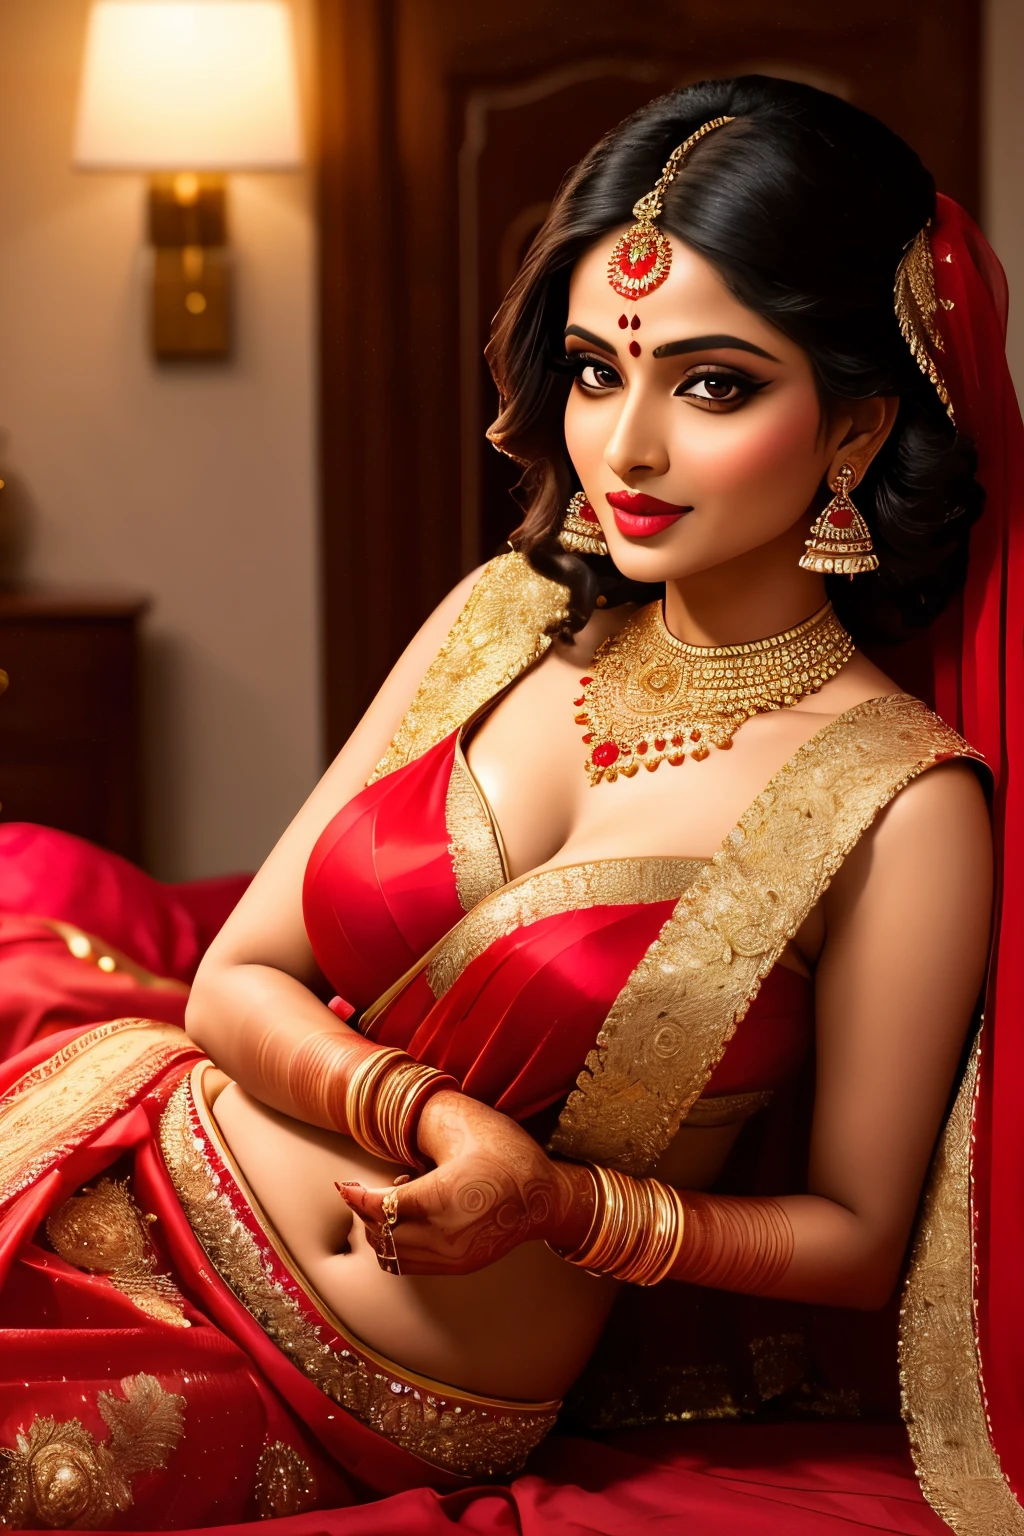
{"type": "Point", "coordinates": [508, 998]}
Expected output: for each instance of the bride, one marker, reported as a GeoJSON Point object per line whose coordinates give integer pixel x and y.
{"type": "Point", "coordinates": [582, 1047]}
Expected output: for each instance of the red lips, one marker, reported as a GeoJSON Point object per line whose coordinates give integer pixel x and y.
{"type": "Point", "coordinates": [640, 516]}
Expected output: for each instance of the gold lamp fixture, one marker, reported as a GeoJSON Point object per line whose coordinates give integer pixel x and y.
{"type": "Point", "coordinates": [188, 92]}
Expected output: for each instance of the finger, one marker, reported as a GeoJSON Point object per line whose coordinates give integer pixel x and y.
{"type": "Point", "coordinates": [365, 1202]}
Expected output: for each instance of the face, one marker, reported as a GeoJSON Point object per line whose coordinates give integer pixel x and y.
{"type": "Point", "coordinates": [695, 427]}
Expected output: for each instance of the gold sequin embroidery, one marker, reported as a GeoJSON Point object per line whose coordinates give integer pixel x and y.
{"type": "Point", "coordinates": [60, 1475]}
{"type": "Point", "coordinates": [55, 1106]}
{"type": "Point", "coordinates": [474, 847]}
{"type": "Point", "coordinates": [940, 1372]}
{"type": "Point", "coordinates": [472, 1442]}
{"type": "Point", "coordinates": [285, 1484]}
{"type": "Point", "coordinates": [673, 1019]}
{"type": "Point", "coordinates": [102, 1230]}
{"type": "Point", "coordinates": [503, 628]}
{"type": "Point", "coordinates": [549, 892]}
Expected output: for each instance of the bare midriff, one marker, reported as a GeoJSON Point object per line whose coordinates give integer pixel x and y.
{"type": "Point", "coordinates": [521, 1329]}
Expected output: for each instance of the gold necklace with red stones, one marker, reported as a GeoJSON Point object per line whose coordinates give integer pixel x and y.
{"type": "Point", "coordinates": [651, 698]}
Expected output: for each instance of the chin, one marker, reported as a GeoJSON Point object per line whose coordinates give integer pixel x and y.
{"type": "Point", "coordinates": [653, 564]}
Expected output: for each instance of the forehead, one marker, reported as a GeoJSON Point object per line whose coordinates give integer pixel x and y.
{"type": "Point", "coordinates": [693, 300]}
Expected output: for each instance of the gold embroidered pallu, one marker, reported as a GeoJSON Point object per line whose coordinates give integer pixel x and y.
{"type": "Point", "coordinates": [56, 1106]}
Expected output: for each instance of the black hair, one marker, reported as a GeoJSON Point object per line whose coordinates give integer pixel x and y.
{"type": "Point", "coordinates": [804, 205]}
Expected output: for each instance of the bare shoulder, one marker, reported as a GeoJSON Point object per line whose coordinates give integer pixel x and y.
{"type": "Point", "coordinates": [932, 845]}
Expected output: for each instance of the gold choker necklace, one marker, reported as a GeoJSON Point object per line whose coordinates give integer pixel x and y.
{"type": "Point", "coordinates": [650, 697]}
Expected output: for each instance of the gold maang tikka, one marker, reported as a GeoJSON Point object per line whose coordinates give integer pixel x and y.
{"type": "Point", "coordinates": [641, 259]}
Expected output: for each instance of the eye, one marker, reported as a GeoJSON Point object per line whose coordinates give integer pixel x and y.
{"type": "Point", "coordinates": [593, 374]}
{"type": "Point", "coordinates": [717, 387]}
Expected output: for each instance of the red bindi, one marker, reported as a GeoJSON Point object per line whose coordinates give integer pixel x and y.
{"type": "Point", "coordinates": [634, 349]}
{"type": "Point", "coordinates": [635, 322]}
{"type": "Point", "coordinates": [623, 322]}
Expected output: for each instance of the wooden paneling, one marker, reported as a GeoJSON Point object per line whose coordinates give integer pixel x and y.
{"type": "Point", "coordinates": [447, 126]}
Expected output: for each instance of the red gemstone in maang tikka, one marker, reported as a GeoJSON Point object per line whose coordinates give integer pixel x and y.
{"type": "Point", "coordinates": [640, 261]}
{"type": "Point", "coordinates": [605, 754]}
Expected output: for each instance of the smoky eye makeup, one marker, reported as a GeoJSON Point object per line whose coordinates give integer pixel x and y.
{"type": "Point", "coordinates": [717, 388]}
{"type": "Point", "coordinates": [591, 372]}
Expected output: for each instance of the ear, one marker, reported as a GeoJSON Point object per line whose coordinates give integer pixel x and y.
{"type": "Point", "coordinates": [868, 424]}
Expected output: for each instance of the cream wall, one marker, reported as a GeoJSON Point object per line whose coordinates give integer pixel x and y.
{"type": "Point", "coordinates": [194, 483]}
{"type": "Point", "coordinates": [1003, 128]}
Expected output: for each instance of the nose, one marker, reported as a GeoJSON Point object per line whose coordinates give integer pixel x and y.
{"type": "Point", "coordinates": [636, 449]}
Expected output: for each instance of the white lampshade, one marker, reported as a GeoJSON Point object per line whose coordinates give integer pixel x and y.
{"type": "Point", "coordinates": [207, 86]}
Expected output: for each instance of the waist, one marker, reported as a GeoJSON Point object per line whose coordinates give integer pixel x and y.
{"type": "Point", "coordinates": [460, 1432]}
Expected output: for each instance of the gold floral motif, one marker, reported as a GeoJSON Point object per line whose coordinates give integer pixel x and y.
{"type": "Point", "coordinates": [673, 1019]}
{"type": "Point", "coordinates": [940, 1373]}
{"type": "Point", "coordinates": [569, 888]}
{"type": "Point", "coordinates": [500, 632]}
{"type": "Point", "coordinates": [102, 1230]}
{"type": "Point", "coordinates": [474, 846]}
{"type": "Point", "coordinates": [59, 1475]}
{"type": "Point", "coordinates": [54, 1107]}
{"type": "Point", "coordinates": [485, 1441]}
{"type": "Point", "coordinates": [285, 1484]}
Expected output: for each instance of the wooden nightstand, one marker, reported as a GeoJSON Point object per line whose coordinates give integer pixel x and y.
{"type": "Point", "coordinates": [69, 720]}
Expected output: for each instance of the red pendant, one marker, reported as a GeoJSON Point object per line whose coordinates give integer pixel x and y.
{"type": "Point", "coordinates": [639, 262]}
{"type": "Point", "coordinates": [604, 755]}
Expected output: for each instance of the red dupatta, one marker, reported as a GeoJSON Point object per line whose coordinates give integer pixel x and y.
{"type": "Point", "coordinates": [977, 657]}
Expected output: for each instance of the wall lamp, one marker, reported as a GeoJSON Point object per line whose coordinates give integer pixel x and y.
{"type": "Point", "coordinates": [188, 92]}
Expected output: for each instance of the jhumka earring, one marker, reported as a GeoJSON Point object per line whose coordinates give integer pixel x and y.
{"type": "Point", "coordinates": [840, 542]}
{"type": "Point", "coordinates": [580, 531]}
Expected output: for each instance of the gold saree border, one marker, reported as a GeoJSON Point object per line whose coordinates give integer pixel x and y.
{"type": "Point", "coordinates": [673, 1019]}
{"type": "Point", "coordinates": [940, 1367]}
{"type": "Point", "coordinates": [446, 1427]}
{"type": "Point", "coordinates": [474, 842]}
{"type": "Point", "coordinates": [61, 1102]}
{"type": "Point", "coordinates": [548, 893]}
{"type": "Point", "coordinates": [503, 629]}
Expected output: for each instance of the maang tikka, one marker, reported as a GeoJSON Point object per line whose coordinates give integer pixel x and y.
{"type": "Point", "coordinates": [641, 259]}
{"type": "Point", "coordinates": [840, 542]}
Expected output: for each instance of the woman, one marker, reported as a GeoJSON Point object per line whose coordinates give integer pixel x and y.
{"type": "Point", "coordinates": [490, 1026]}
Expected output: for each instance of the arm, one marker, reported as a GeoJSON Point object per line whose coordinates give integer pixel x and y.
{"type": "Point", "coordinates": [254, 1006]}
{"type": "Point", "coordinates": [907, 924]}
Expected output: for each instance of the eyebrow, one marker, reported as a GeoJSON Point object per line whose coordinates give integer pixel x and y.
{"type": "Point", "coordinates": [595, 341]}
{"type": "Point", "coordinates": [704, 344]}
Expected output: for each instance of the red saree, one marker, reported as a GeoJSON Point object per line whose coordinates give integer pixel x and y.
{"type": "Point", "coordinates": [115, 1415]}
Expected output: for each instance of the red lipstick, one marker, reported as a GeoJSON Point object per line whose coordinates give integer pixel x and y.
{"type": "Point", "coordinates": [640, 516]}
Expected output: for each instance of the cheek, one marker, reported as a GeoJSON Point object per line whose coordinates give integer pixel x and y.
{"type": "Point", "coordinates": [773, 444]}
{"type": "Point", "coordinates": [587, 428]}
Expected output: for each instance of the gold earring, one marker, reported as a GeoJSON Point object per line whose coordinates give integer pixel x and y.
{"type": "Point", "coordinates": [580, 531]}
{"type": "Point", "coordinates": [840, 542]}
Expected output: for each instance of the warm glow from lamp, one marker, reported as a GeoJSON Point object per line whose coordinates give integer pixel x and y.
{"type": "Point", "coordinates": [188, 91]}
{"type": "Point", "coordinates": [207, 86]}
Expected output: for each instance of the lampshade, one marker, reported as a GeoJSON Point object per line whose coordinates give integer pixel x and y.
{"type": "Point", "coordinates": [198, 86]}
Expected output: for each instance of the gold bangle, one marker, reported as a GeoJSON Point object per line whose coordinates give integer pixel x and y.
{"type": "Point", "coordinates": [384, 1099]}
{"type": "Point", "coordinates": [637, 1230]}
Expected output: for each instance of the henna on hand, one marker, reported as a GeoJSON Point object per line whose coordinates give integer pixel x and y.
{"type": "Point", "coordinates": [494, 1188]}
{"type": "Point", "coordinates": [734, 1243]}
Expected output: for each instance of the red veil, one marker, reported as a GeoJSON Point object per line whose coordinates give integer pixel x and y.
{"type": "Point", "coordinates": [977, 657]}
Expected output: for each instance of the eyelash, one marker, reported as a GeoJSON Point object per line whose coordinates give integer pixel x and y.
{"type": "Point", "coordinates": [579, 362]}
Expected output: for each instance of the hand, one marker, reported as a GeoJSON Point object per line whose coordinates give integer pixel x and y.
{"type": "Point", "coordinates": [493, 1188]}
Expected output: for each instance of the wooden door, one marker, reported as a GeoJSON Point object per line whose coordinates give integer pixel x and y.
{"type": "Point", "coordinates": [447, 126]}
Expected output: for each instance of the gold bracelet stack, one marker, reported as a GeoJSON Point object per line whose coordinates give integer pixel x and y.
{"type": "Point", "coordinates": [384, 1098]}
{"type": "Point", "coordinates": [637, 1230]}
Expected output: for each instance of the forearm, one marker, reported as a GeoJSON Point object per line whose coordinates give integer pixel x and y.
{"type": "Point", "coordinates": [274, 1038]}
{"type": "Point", "coordinates": [796, 1248]}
